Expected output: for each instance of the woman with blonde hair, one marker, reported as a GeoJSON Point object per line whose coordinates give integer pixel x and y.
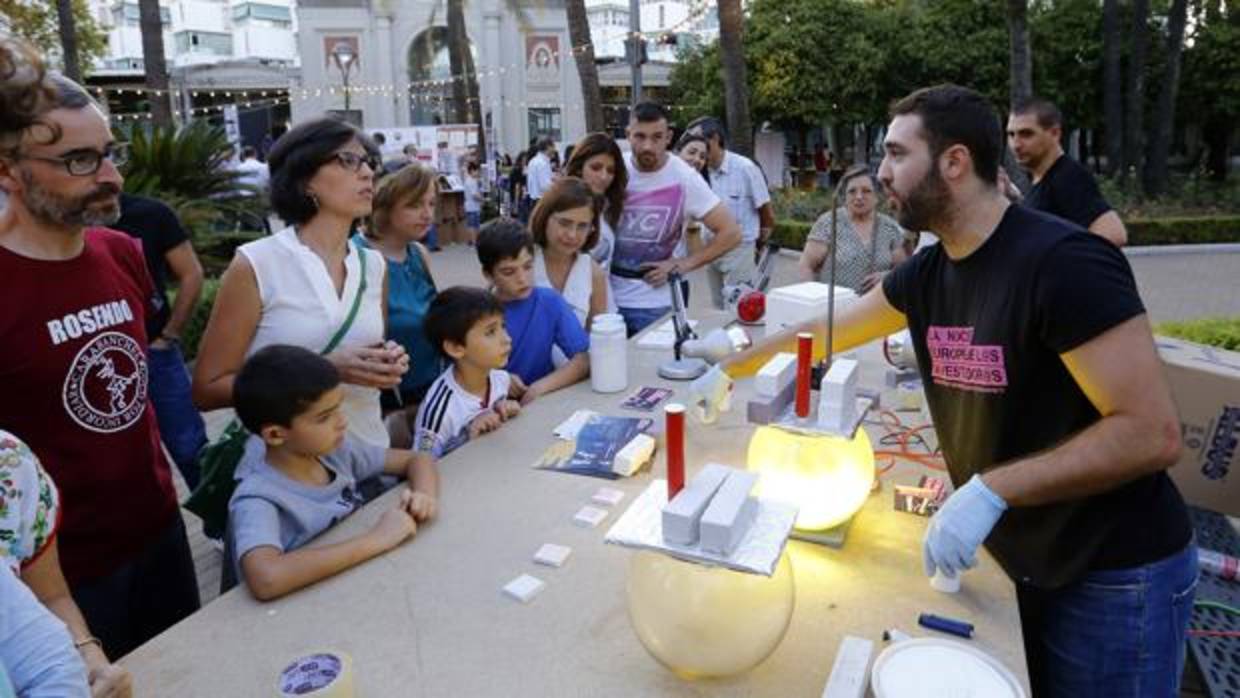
{"type": "Point", "coordinates": [403, 212]}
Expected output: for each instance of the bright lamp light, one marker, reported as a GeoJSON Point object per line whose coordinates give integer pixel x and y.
{"type": "Point", "coordinates": [827, 477]}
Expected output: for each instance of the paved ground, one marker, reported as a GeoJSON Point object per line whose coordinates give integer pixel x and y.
{"type": "Point", "coordinates": [1177, 285]}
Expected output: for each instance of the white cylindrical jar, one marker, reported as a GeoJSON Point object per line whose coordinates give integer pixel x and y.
{"type": "Point", "coordinates": [609, 366]}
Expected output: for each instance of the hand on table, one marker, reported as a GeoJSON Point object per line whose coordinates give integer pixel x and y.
{"type": "Point", "coordinates": [516, 386]}
{"type": "Point", "coordinates": [393, 527]}
{"type": "Point", "coordinates": [530, 395]}
{"type": "Point", "coordinates": [959, 527]}
{"type": "Point", "coordinates": [110, 681]}
{"type": "Point", "coordinates": [486, 422]}
{"type": "Point", "coordinates": [420, 505]}
{"type": "Point", "coordinates": [507, 409]}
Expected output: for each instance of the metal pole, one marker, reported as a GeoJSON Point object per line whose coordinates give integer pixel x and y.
{"type": "Point", "coordinates": [345, 72]}
{"type": "Point", "coordinates": [635, 28]}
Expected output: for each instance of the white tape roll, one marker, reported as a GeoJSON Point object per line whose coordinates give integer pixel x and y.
{"type": "Point", "coordinates": [319, 675]}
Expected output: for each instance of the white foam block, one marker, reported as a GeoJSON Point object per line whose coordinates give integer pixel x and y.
{"type": "Point", "coordinates": [552, 555]}
{"type": "Point", "coordinates": [524, 588]}
{"type": "Point", "coordinates": [730, 513]}
{"type": "Point", "coordinates": [775, 374]}
{"type": "Point", "coordinates": [839, 384]}
{"type": "Point", "coordinates": [633, 456]}
{"type": "Point", "coordinates": [683, 514]}
{"type": "Point", "coordinates": [590, 517]}
{"type": "Point", "coordinates": [607, 496]}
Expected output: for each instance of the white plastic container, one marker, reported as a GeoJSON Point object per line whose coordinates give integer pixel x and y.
{"type": "Point", "coordinates": [609, 365]}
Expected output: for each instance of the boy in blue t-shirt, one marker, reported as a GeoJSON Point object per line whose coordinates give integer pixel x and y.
{"type": "Point", "coordinates": [537, 318]}
{"type": "Point", "coordinates": [299, 476]}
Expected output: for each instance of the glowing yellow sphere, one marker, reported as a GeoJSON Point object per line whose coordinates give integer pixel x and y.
{"type": "Point", "coordinates": [703, 622]}
{"type": "Point", "coordinates": [828, 477]}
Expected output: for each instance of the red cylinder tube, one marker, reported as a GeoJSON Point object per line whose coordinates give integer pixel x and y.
{"type": "Point", "coordinates": [805, 359]}
{"type": "Point", "coordinates": [675, 431]}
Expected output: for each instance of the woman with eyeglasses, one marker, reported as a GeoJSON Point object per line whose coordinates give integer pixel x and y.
{"type": "Point", "coordinates": [299, 285]}
{"type": "Point", "coordinates": [565, 227]}
{"type": "Point", "coordinates": [870, 243]}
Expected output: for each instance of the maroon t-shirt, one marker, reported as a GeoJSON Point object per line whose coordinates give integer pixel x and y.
{"type": "Point", "coordinates": [73, 366]}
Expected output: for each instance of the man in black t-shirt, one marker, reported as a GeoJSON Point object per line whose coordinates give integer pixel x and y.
{"type": "Point", "coordinates": [1054, 416]}
{"type": "Point", "coordinates": [1061, 185]}
{"type": "Point", "coordinates": [167, 249]}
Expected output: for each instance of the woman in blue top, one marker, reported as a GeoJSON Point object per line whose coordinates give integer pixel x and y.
{"type": "Point", "coordinates": [403, 210]}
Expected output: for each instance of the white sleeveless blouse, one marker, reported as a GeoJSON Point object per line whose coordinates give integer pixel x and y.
{"type": "Point", "coordinates": [300, 307]}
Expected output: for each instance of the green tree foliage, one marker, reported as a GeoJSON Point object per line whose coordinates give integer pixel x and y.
{"type": "Point", "coordinates": [36, 22]}
{"type": "Point", "coordinates": [695, 84]}
{"type": "Point", "coordinates": [1210, 90]}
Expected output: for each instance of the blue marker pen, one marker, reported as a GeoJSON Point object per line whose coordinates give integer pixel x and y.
{"type": "Point", "coordinates": [946, 625]}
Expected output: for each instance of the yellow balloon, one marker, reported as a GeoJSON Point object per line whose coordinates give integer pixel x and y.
{"type": "Point", "coordinates": [827, 477]}
{"type": "Point", "coordinates": [703, 621]}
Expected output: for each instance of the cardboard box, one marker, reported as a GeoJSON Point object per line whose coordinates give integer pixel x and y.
{"type": "Point", "coordinates": [1206, 384]}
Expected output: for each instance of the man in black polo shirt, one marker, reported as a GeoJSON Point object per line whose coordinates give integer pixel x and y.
{"type": "Point", "coordinates": [166, 246]}
{"type": "Point", "coordinates": [1061, 185]}
{"type": "Point", "coordinates": [1049, 400]}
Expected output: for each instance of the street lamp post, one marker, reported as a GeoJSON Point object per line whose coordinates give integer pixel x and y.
{"type": "Point", "coordinates": [343, 56]}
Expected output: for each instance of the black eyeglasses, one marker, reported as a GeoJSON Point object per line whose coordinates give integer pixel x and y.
{"type": "Point", "coordinates": [353, 162]}
{"type": "Point", "coordinates": [81, 163]}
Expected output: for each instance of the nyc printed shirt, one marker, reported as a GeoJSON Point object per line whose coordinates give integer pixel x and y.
{"type": "Point", "coordinates": [989, 330]}
{"type": "Point", "coordinates": [74, 370]}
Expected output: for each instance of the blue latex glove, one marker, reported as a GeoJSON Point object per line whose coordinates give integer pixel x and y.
{"type": "Point", "coordinates": [960, 526]}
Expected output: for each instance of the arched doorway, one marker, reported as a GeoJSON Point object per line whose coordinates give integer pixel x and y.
{"type": "Point", "coordinates": [429, 60]}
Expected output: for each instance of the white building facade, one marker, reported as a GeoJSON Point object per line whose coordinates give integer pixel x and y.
{"type": "Point", "coordinates": [527, 76]}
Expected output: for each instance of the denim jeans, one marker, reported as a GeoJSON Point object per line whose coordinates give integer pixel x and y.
{"type": "Point", "coordinates": [180, 424]}
{"type": "Point", "coordinates": [432, 238]}
{"type": "Point", "coordinates": [638, 319]}
{"type": "Point", "coordinates": [1114, 634]}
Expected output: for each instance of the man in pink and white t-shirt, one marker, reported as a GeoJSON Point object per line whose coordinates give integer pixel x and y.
{"type": "Point", "coordinates": [662, 191]}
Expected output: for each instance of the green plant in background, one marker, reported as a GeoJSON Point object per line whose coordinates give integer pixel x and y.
{"type": "Point", "coordinates": [1219, 332]}
{"type": "Point", "coordinates": [191, 334]}
{"type": "Point", "coordinates": [189, 169]}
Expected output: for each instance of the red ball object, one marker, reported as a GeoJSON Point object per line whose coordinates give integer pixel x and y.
{"type": "Point", "coordinates": [751, 307]}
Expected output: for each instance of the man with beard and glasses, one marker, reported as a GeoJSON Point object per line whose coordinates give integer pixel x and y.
{"type": "Point", "coordinates": [73, 362]}
{"type": "Point", "coordinates": [1050, 403]}
{"type": "Point", "coordinates": [1061, 185]}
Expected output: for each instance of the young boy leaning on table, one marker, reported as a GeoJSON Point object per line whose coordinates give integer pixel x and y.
{"type": "Point", "coordinates": [300, 472]}
{"type": "Point", "coordinates": [537, 318]}
{"type": "Point", "coordinates": [475, 394]}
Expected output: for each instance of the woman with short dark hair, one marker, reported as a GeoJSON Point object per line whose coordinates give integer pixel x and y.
{"type": "Point", "coordinates": [299, 285]}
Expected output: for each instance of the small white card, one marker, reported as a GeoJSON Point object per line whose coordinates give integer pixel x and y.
{"type": "Point", "coordinates": [607, 496]}
{"type": "Point", "coordinates": [590, 516]}
{"type": "Point", "coordinates": [524, 588]}
{"type": "Point", "coordinates": [552, 555]}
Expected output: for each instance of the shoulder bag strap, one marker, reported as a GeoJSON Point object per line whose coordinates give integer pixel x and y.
{"type": "Point", "coordinates": [357, 302]}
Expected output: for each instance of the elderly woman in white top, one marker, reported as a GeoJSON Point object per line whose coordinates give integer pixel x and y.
{"type": "Point", "coordinates": [870, 243]}
{"type": "Point", "coordinates": [298, 285]}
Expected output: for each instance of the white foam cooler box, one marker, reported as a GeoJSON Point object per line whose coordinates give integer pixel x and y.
{"type": "Point", "coordinates": [790, 305]}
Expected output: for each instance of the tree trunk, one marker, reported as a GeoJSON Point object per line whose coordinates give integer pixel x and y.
{"type": "Point", "coordinates": [1156, 173]}
{"type": "Point", "coordinates": [1112, 87]}
{"type": "Point", "coordinates": [1217, 136]}
{"type": "Point", "coordinates": [1020, 62]}
{"type": "Point", "coordinates": [153, 62]}
{"type": "Point", "coordinates": [68, 39]}
{"type": "Point", "coordinates": [1136, 89]}
{"type": "Point", "coordinates": [587, 69]}
{"type": "Point", "coordinates": [735, 87]}
{"type": "Point", "coordinates": [466, 106]}
{"type": "Point", "coordinates": [458, 49]}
